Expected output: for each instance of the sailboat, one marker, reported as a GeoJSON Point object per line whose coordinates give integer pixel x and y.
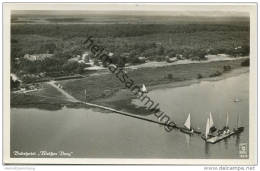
{"type": "Point", "coordinates": [236, 100]}
{"type": "Point", "coordinates": [207, 134]}
{"type": "Point", "coordinates": [225, 129]}
{"type": "Point", "coordinates": [187, 127]}
{"type": "Point", "coordinates": [212, 128]}
{"type": "Point", "coordinates": [224, 133]}
{"type": "Point", "coordinates": [207, 128]}
{"type": "Point", "coordinates": [227, 121]}
{"type": "Point", "coordinates": [143, 89]}
{"type": "Point", "coordinates": [238, 128]}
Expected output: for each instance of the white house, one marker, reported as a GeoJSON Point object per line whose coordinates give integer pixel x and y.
{"type": "Point", "coordinates": [36, 57]}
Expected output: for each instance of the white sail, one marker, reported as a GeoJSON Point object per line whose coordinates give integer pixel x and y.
{"type": "Point", "coordinates": [238, 120]}
{"type": "Point", "coordinates": [187, 123]}
{"type": "Point", "coordinates": [227, 120]}
{"type": "Point", "coordinates": [207, 128]}
{"type": "Point", "coordinates": [236, 100]}
{"type": "Point", "coordinates": [144, 88]}
{"type": "Point", "coordinates": [211, 123]}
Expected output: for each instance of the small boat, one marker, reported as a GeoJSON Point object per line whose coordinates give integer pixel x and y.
{"type": "Point", "coordinates": [143, 89]}
{"type": "Point", "coordinates": [236, 100]}
{"type": "Point", "coordinates": [222, 134]}
{"type": "Point", "coordinates": [187, 127]}
{"type": "Point", "coordinates": [239, 128]}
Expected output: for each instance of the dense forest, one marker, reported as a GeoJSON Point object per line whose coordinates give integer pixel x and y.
{"type": "Point", "coordinates": [153, 41]}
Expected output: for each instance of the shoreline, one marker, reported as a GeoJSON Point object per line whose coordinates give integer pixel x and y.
{"type": "Point", "coordinates": [123, 97]}
{"type": "Point", "coordinates": [232, 73]}
{"type": "Point", "coordinates": [121, 100]}
{"type": "Point", "coordinates": [210, 59]}
{"type": "Point", "coordinates": [119, 97]}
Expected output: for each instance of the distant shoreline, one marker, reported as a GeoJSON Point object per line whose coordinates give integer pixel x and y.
{"type": "Point", "coordinates": [210, 58]}
{"type": "Point", "coordinates": [233, 73]}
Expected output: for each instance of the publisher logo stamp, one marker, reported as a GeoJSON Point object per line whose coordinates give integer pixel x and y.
{"type": "Point", "coordinates": [243, 150]}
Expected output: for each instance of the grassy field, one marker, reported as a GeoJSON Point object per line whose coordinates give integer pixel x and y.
{"type": "Point", "coordinates": [98, 86]}
{"type": "Point", "coordinates": [104, 89]}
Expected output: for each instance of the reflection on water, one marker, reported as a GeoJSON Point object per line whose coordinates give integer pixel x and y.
{"type": "Point", "coordinates": [187, 140]}
{"type": "Point", "coordinates": [206, 148]}
{"type": "Point", "coordinates": [237, 139]}
{"type": "Point", "coordinates": [90, 133]}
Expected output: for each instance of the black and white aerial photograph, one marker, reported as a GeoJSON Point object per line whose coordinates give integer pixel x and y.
{"type": "Point", "coordinates": [130, 81]}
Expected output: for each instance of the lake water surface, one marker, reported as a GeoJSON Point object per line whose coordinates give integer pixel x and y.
{"type": "Point", "coordinates": [92, 133]}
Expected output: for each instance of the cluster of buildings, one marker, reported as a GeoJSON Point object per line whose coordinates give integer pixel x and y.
{"type": "Point", "coordinates": [84, 58]}
{"type": "Point", "coordinates": [37, 57]}
{"type": "Point", "coordinates": [18, 87]}
{"type": "Point", "coordinates": [94, 64]}
{"type": "Point", "coordinates": [175, 58]}
{"type": "Point", "coordinates": [88, 61]}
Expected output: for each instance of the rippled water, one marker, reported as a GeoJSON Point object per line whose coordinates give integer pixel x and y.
{"type": "Point", "coordinates": [91, 133]}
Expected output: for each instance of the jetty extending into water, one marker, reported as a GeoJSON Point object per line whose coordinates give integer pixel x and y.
{"type": "Point", "coordinates": [127, 114]}
{"type": "Point", "coordinates": [72, 99]}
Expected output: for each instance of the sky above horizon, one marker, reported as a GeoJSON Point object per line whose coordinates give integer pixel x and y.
{"type": "Point", "coordinates": [136, 9]}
